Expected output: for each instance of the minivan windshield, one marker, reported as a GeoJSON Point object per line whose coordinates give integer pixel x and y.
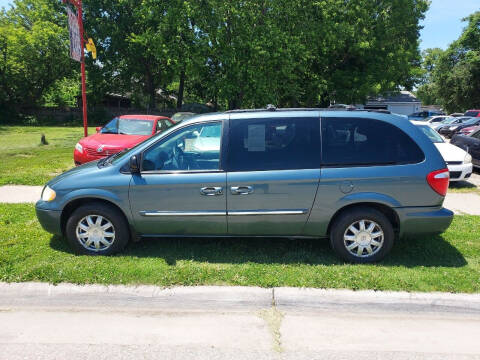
{"type": "Point", "coordinates": [432, 134]}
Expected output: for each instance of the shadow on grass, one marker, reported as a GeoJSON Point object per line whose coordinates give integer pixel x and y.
{"type": "Point", "coordinates": [428, 252]}
{"type": "Point", "coordinates": [462, 185]}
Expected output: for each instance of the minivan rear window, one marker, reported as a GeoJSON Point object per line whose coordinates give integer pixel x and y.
{"type": "Point", "coordinates": [362, 142]}
{"type": "Point", "coordinates": [274, 144]}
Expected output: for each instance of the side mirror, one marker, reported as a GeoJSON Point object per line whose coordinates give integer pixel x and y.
{"type": "Point", "coordinates": [98, 128]}
{"type": "Point", "coordinates": [134, 165]}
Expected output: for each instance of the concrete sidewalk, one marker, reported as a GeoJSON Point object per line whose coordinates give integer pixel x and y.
{"type": "Point", "coordinates": [463, 203]}
{"type": "Point", "coordinates": [42, 321]}
{"type": "Point", "coordinates": [460, 203]}
{"type": "Point", "coordinates": [18, 194]}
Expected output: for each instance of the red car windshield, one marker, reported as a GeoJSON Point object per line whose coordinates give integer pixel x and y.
{"type": "Point", "coordinates": [128, 127]}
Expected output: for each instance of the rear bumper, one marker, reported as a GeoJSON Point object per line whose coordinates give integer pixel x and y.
{"type": "Point", "coordinates": [418, 221]}
{"type": "Point", "coordinates": [50, 220]}
{"type": "Point", "coordinates": [460, 172]}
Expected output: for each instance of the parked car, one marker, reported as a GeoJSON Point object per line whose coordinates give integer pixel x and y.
{"type": "Point", "coordinates": [447, 121]}
{"type": "Point", "coordinates": [466, 124]}
{"type": "Point", "coordinates": [180, 116]}
{"type": "Point", "coordinates": [469, 130]}
{"type": "Point", "coordinates": [471, 144]}
{"type": "Point", "coordinates": [458, 161]}
{"type": "Point", "coordinates": [472, 113]}
{"type": "Point", "coordinates": [449, 129]}
{"type": "Point", "coordinates": [421, 115]}
{"type": "Point", "coordinates": [434, 119]}
{"type": "Point", "coordinates": [374, 178]}
{"type": "Point", "coordinates": [121, 133]}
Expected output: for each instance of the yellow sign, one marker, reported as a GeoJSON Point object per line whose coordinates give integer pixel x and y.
{"type": "Point", "coordinates": [91, 48]}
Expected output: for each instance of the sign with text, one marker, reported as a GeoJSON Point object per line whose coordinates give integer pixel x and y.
{"type": "Point", "coordinates": [74, 32]}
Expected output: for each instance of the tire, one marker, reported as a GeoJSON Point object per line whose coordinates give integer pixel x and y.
{"type": "Point", "coordinates": [93, 217]}
{"type": "Point", "coordinates": [379, 239]}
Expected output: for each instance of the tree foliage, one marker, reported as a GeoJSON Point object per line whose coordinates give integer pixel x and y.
{"type": "Point", "coordinates": [454, 74]}
{"type": "Point", "coordinates": [33, 51]}
{"type": "Point", "coordinates": [240, 53]}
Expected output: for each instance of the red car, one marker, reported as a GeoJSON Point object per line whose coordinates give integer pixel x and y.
{"type": "Point", "coordinates": [472, 113]}
{"type": "Point", "coordinates": [121, 133]}
{"type": "Point", "coordinates": [469, 130]}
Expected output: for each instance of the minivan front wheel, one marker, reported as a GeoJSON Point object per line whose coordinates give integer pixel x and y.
{"type": "Point", "coordinates": [362, 235]}
{"type": "Point", "coordinates": [97, 229]}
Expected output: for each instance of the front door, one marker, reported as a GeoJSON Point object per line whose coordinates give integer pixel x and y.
{"type": "Point", "coordinates": [273, 174]}
{"type": "Point", "coordinates": [181, 187]}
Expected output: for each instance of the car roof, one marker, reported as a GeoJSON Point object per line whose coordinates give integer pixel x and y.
{"type": "Point", "coordinates": [299, 113]}
{"type": "Point", "coordinates": [142, 117]}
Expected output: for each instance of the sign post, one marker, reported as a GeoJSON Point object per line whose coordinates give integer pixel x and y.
{"type": "Point", "coordinates": [77, 43]}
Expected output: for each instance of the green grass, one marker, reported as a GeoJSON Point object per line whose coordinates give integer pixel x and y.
{"type": "Point", "coordinates": [450, 262]}
{"type": "Point", "coordinates": [25, 161]}
{"type": "Point", "coordinates": [463, 187]}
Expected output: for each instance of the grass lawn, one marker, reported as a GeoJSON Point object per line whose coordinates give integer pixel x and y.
{"type": "Point", "coordinates": [450, 262]}
{"type": "Point", "coordinates": [25, 161]}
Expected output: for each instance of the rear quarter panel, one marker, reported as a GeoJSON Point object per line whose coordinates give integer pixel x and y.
{"type": "Point", "coordinates": [396, 186]}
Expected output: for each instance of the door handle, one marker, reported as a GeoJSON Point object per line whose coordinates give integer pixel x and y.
{"type": "Point", "coordinates": [211, 191]}
{"type": "Point", "coordinates": [241, 190]}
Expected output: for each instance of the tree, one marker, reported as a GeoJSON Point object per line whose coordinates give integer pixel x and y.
{"type": "Point", "coordinates": [457, 72]}
{"type": "Point", "coordinates": [230, 53]}
{"type": "Point", "coordinates": [427, 90]}
{"type": "Point", "coordinates": [33, 51]}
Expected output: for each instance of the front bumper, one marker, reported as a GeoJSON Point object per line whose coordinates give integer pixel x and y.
{"type": "Point", "coordinates": [82, 157]}
{"type": "Point", "coordinates": [460, 172]}
{"type": "Point", "coordinates": [49, 219]}
{"type": "Point", "coordinates": [420, 221]}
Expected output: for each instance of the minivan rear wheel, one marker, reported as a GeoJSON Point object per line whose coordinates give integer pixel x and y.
{"type": "Point", "coordinates": [362, 235]}
{"type": "Point", "coordinates": [97, 229]}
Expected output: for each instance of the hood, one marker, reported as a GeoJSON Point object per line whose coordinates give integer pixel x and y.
{"type": "Point", "coordinates": [85, 168]}
{"type": "Point", "coordinates": [450, 152]}
{"type": "Point", "coordinates": [112, 141]}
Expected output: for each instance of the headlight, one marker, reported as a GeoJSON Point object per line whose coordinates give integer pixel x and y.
{"type": "Point", "coordinates": [468, 159]}
{"type": "Point", "coordinates": [79, 147]}
{"type": "Point", "coordinates": [48, 194]}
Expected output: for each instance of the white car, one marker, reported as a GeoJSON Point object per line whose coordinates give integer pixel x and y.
{"type": "Point", "coordinates": [433, 120]}
{"type": "Point", "coordinates": [459, 162]}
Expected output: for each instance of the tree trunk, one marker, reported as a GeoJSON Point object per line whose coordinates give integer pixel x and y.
{"type": "Point", "coordinates": [150, 90]}
{"type": "Point", "coordinates": [180, 89]}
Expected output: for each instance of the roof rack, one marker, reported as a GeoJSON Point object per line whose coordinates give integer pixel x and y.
{"type": "Point", "coordinates": [273, 108]}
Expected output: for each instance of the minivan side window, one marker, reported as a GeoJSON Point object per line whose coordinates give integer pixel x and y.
{"type": "Point", "coordinates": [192, 148]}
{"type": "Point", "coordinates": [361, 142]}
{"type": "Point", "coordinates": [274, 144]}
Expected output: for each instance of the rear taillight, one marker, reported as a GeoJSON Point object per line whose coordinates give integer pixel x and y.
{"type": "Point", "coordinates": [438, 181]}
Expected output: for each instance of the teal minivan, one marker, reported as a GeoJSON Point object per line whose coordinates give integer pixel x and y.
{"type": "Point", "coordinates": [361, 179]}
